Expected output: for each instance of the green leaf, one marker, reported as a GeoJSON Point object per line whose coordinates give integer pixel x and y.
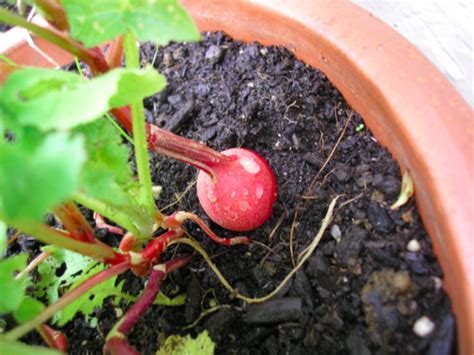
{"type": "Point", "coordinates": [3, 237]}
{"type": "Point", "coordinates": [17, 348]}
{"type": "Point", "coordinates": [163, 300]}
{"type": "Point", "coordinates": [53, 99]}
{"type": "Point", "coordinates": [107, 175]}
{"type": "Point", "coordinates": [77, 269]}
{"type": "Point", "coordinates": [158, 21]}
{"type": "Point", "coordinates": [28, 310]}
{"type": "Point", "coordinates": [72, 264]}
{"type": "Point", "coordinates": [33, 179]}
{"type": "Point", "coordinates": [88, 302]}
{"type": "Point", "coordinates": [185, 345]}
{"type": "Point", "coordinates": [13, 291]}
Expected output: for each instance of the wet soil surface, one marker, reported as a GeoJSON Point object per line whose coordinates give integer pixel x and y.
{"type": "Point", "coordinates": [362, 290]}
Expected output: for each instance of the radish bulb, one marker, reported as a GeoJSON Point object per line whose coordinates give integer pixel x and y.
{"type": "Point", "coordinates": [236, 187]}
{"type": "Point", "coordinates": [241, 194]}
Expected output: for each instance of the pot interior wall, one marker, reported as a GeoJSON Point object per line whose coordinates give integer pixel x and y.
{"type": "Point", "coordinates": [404, 100]}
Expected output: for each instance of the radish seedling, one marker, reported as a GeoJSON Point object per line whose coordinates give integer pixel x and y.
{"type": "Point", "coordinates": [58, 151]}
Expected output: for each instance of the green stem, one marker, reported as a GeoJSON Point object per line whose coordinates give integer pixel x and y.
{"type": "Point", "coordinates": [117, 217]}
{"type": "Point", "coordinates": [91, 57]}
{"type": "Point", "coordinates": [132, 60]}
{"type": "Point", "coordinates": [65, 300]}
{"type": "Point", "coordinates": [60, 239]}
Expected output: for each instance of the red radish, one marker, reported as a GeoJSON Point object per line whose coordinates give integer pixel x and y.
{"type": "Point", "coordinates": [236, 188]}
{"type": "Point", "coordinates": [242, 194]}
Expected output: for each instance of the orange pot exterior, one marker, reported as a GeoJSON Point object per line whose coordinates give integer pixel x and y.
{"type": "Point", "coordinates": [406, 102]}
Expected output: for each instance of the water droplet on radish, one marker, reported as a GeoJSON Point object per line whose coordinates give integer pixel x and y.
{"type": "Point", "coordinates": [210, 195]}
{"type": "Point", "coordinates": [233, 194]}
{"type": "Point", "coordinates": [244, 206]}
{"type": "Point", "coordinates": [245, 192]}
{"type": "Point", "coordinates": [258, 191]}
{"type": "Point", "coordinates": [250, 165]}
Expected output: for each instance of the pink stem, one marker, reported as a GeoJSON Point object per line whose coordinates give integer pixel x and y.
{"type": "Point", "coordinates": [185, 150]}
{"type": "Point", "coordinates": [119, 346]}
{"type": "Point", "coordinates": [116, 344]}
{"type": "Point", "coordinates": [146, 299]}
{"type": "Point", "coordinates": [54, 338]}
{"type": "Point", "coordinates": [154, 249]}
{"type": "Point", "coordinates": [100, 223]}
{"type": "Point", "coordinates": [177, 219]}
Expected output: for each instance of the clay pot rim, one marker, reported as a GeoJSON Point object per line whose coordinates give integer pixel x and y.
{"type": "Point", "coordinates": [403, 98]}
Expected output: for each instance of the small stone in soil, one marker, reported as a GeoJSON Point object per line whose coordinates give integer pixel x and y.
{"type": "Point", "coordinates": [413, 246]}
{"type": "Point", "coordinates": [336, 232]}
{"type": "Point", "coordinates": [423, 326]}
{"type": "Point", "coordinates": [275, 311]}
{"type": "Point", "coordinates": [214, 54]}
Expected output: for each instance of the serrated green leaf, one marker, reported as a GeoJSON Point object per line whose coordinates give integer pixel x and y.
{"type": "Point", "coordinates": [53, 99]}
{"type": "Point", "coordinates": [28, 309]}
{"type": "Point", "coordinates": [3, 237]}
{"type": "Point", "coordinates": [88, 302]}
{"type": "Point", "coordinates": [33, 179]}
{"type": "Point", "coordinates": [107, 175]}
{"type": "Point", "coordinates": [50, 285]}
{"type": "Point", "coordinates": [77, 268]}
{"type": "Point", "coordinates": [158, 21]}
{"type": "Point", "coordinates": [13, 291]}
{"type": "Point", "coordinates": [17, 348]}
{"type": "Point", "coordinates": [185, 345]}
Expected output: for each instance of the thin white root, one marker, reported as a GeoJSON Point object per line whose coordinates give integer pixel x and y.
{"type": "Point", "coordinates": [308, 251]}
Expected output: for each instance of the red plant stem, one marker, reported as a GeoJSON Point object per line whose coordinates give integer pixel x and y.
{"type": "Point", "coordinates": [116, 343]}
{"type": "Point", "coordinates": [66, 299]}
{"type": "Point", "coordinates": [100, 223]}
{"type": "Point", "coordinates": [178, 218]}
{"type": "Point", "coordinates": [173, 146]}
{"type": "Point", "coordinates": [119, 346]}
{"type": "Point", "coordinates": [55, 13]}
{"type": "Point", "coordinates": [146, 299]}
{"type": "Point", "coordinates": [91, 57]}
{"type": "Point", "coordinates": [54, 338]}
{"type": "Point", "coordinates": [74, 222]}
{"type": "Point", "coordinates": [154, 249]}
{"type": "Point", "coordinates": [114, 55]}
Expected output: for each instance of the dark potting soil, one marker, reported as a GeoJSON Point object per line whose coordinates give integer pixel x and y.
{"type": "Point", "coordinates": [360, 292]}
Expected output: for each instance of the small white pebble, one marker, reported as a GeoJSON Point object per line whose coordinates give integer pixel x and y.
{"type": "Point", "coordinates": [423, 326]}
{"type": "Point", "coordinates": [263, 51]}
{"type": "Point", "coordinates": [251, 85]}
{"type": "Point", "coordinates": [118, 312]}
{"type": "Point", "coordinates": [345, 279]}
{"type": "Point", "coordinates": [413, 246]}
{"type": "Point", "coordinates": [438, 283]}
{"type": "Point", "coordinates": [336, 233]}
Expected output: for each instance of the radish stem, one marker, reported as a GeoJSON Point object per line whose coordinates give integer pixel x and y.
{"type": "Point", "coordinates": [139, 131]}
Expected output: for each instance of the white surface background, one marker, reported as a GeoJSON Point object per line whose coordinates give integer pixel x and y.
{"type": "Point", "coordinates": [443, 30]}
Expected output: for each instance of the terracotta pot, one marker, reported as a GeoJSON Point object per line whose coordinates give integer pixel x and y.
{"type": "Point", "coordinates": [406, 102]}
